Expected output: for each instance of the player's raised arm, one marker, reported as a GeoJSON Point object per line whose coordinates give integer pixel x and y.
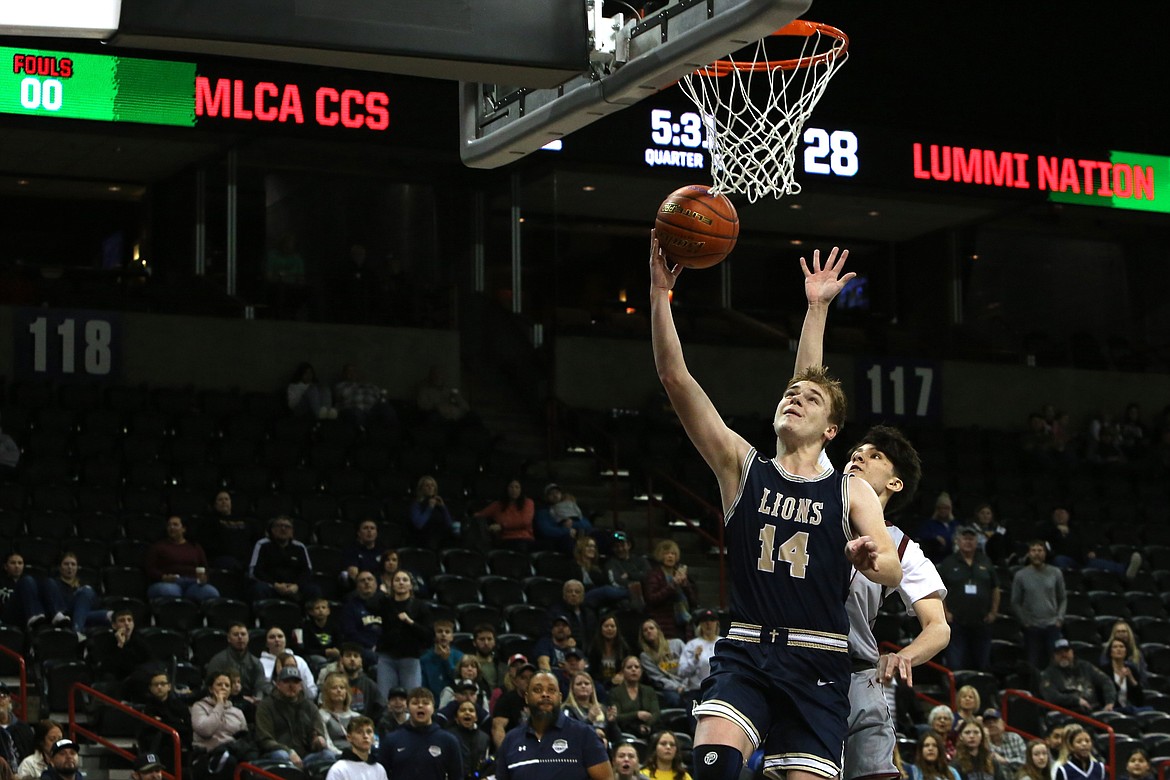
{"type": "Point", "coordinates": [821, 285]}
{"type": "Point", "coordinates": [722, 448]}
{"type": "Point", "coordinates": [881, 564]}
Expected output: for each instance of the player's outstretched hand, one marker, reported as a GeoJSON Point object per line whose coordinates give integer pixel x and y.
{"type": "Point", "coordinates": [662, 277]}
{"type": "Point", "coordinates": [893, 665]}
{"type": "Point", "coordinates": [862, 552]}
{"type": "Point", "coordinates": [821, 285]}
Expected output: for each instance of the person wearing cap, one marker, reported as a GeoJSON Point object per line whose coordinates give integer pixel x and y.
{"type": "Point", "coordinates": [972, 602]}
{"type": "Point", "coordinates": [1039, 600]}
{"type": "Point", "coordinates": [509, 710]}
{"type": "Point", "coordinates": [550, 648]}
{"type": "Point", "coordinates": [421, 748]}
{"type": "Point", "coordinates": [1074, 684]}
{"type": "Point", "coordinates": [551, 745]}
{"type": "Point", "coordinates": [626, 570]}
{"type": "Point", "coordinates": [694, 662]}
{"type": "Point", "coordinates": [16, 736]}
{"type": "Point", "coordinates": [63, 764]}
{"type": "Point", "coordinates": [288, 727]}
{"type": "Point", "coordinates": [147, 766]}
{"type": "Point", "coordinates": [462, 690]}
{"type": "Point", "coordinates": [396, 714]}
{"type": "Point", "coordinates": [1008, 748]}
{"type": "Point", "coordinates": [559, 522]}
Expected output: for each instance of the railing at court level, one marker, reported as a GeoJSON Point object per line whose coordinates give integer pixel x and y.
{"type": "Point", "coordinates": [76, 728]}
{"type": "Point", "coordinates": [21, 707]}
{"type": "Point", "coordinates": [1014, 694]}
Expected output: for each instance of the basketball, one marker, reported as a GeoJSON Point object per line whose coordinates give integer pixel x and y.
{"type": "Point", "coordinates": [696, 228]}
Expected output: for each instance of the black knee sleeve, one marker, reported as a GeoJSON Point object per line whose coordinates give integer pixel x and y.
{"type": "Point", "coordinates": [717, 762]}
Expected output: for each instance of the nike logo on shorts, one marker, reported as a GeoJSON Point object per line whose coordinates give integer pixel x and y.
{"type": "Point", "coordinates": [824, 682]}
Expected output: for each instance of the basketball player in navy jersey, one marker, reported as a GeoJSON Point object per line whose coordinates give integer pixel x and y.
{"type": "Point", "coordinates": [793, 528]}
{"type": "Point", "coordinates": [886, 460]}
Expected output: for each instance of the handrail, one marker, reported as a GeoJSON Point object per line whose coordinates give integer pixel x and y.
{"type": "Point", "coordinates": [76, 728]}
{"type": "Point", "coordinates": [946, 673]}
{"type": "Point", "coordinates": [707, 507]}
{"type": "Point", "coordinates": [1010, 693]}
{"type": "Point", "coordinates": [255, 770]}
{"type": "Point", "coordinates": [22, 710]}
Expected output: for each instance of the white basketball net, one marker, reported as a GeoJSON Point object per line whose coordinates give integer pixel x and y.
{"type": "Point", "coordinates": [753, 134]}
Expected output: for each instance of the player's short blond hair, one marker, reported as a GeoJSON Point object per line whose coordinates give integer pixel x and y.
{"type": "Point", "coordinates": [819, 375]}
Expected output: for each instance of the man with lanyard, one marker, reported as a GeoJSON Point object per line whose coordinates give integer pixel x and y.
{"type": "Point", "coordinates": [551, 745]}
{"type": "Point", "coordinates": [780, 678]}
{"type": "Point", "coordinates": [886, 460]}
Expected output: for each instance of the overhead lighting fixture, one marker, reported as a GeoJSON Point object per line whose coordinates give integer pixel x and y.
{"type": "Point", "coordinates": [874, 213]}
{"type": "Point", "coordinates": [588, 188]}
{"type": "Point", "coordinates": [795, 206]}
{"type": "Point", "coordinates": [22, 182]}
{"type": "Point", "coordinates": [795, 242]}
{"type": "Point", "coordinates": [114, 188]}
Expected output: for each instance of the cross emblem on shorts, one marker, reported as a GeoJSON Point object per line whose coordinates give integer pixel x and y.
{"type": "Point", "coordinates": [774, 634]}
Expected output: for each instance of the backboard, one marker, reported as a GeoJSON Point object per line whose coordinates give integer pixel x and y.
{"type": "Point", "coordinates": [628, 60]}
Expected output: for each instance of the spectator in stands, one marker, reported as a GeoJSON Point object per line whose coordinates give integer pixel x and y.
{"type": "Point", "coordinates": [941, 722]}
{"type": "Point", "coordinates": [509, 711]}
{"type": "Point", "coordinates": [625, 761]}
{"type": "Point", "coordinates": [1055, 742]}
{"type": "Point", "coordinates": [637, 704]}
{"type": "Point", "coordinates": [128, 653]}
{"type": "Point", "coordinates": [430, 523]}
{"type": "Point", "coordinates": [582, 617]}
{"type": "Point", "coordinates": [474, 743]}
{"type": "Point", "coordinates": [215, 721]}
{"type": "Point", "coordinates": [1071, 551]}
{"type": "Point", "coordinates": [321, 633]}
{"type": "Point", "coordinates": [550, 648]}
{"type": "Point", "coordinates": [235, 657]}
{"type": "Point", "coordinates": [357, 763]}
{"type": "Point", "coordinates": [387, 570]}
{"type": "Point", "coordinates": [421, 748]}
{"type": "Point", "coordinates": [396, 713]}
{"type": "Point", "coordinates": [9, 456]}
{"type": "Point", "coordinates": [1126, 678]}
{"type": "Point", "coordinates": [228, 539]}
{"type": "Point", "coordinates": [626, 570]}
{"type": "Point", "coordinates": [20, 598]}
{"type": "Point", "coordinates": [490, 671]}
{"type": "Point", "coordinates": [1138, 767]}
{"type": "Point", "coordinates": [336, 710]}
{"type": "Point", "coordinates": [178, 566]}
{"type": "Point", "coordinates": [1007, 747]}
{"type": "Point", "coordinates": [599, 593]}
{"type": "Point", "coordinates": [1076, 760]}
{"type": "Point", "coordinates": [574, 662]}
{"type": "Point", "coordinates": [930, 760]}
{"type": "Point", "coordinates": [288, 727]}
{"type": "Point", "coordinates": [46, 733]}
{"type": "Point", "coordinates": [362, 402]}
{"type": "Point", "coordinates": [670, 593]}
{"type": "Point", "coordinates": [164, 706]}
{"type": "Point", "coordinates": [968, 703]}
{"type": "Point", "coordinates": [363, 692]}
{"type": "Point", "coordinates": [439, 661]}
{"type": "Point", "coordinates": [664, 759]}
{"type": "Point", "coordinates": [973, 756]}
{"type": "Point", "coordinates": [606, 653]}
{"type": "Point", "coordinates": [936, 534]}
{"type": "Point", "coordinates": [437, 398]}
{"type": "Point", "coordinates": [63, 762]}
{"type": "Point", "coordinates": [67, 594]}
{"type": "Point", "coordinates": [463, 691]}
{"type": "Point", "coordinates": [361, 621]}
{"type": "Point", "coordinates": [993, 537]}
{"type": "Point", "coordinates": [509, 518]}
{"type": "Point", "coordinates": [307, 397]}
{"type": "Point", "coordinates": [1121, 630]}
{"type": "Point", "coordinates": [694, 664]}
{"type": "Point", "coordinates": [467, 670]}
{"type": "Point", "coordinates": [1133, 433]}
{"type": "Point", "coordinates": [660, 662]}
{"type": "Point", "coordinates": [582, 704]}
{"type": "Point", "coordinates": [1038, 764]}
{"type": "Point", "coordinates": [972, 602]}
{"type": "Point", "coordinates": [147, 766]}
{"type": "Point", "coordinates": [1039, 601]}
{"type": "Point", "coordinates": [1075, 685]}
{"type": "Point", "coordinates": [406, 631]}
{"type": "Point", "coordinates": [16, 737]}
{"type": "Point", "coordinates": [280, 565]}
{"type": "Point", "coordinates": [276, 647]}
{"type": "Point", "coordinates": [362, 554]}
{"type": "Point", "coordinates": [560, 523]}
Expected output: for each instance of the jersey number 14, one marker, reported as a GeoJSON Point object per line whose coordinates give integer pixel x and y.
{"type": "Point", "coordinates": [793, 552]}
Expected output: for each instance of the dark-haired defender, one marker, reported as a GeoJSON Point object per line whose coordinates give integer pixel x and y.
{"type": "Point", "coordinates": [888, 462]}
{"type": "Point", "coordinates": [780, 678]}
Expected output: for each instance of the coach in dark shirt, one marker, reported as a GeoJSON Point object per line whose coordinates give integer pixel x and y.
{"type": "Point", "coordinates": [572, 750]}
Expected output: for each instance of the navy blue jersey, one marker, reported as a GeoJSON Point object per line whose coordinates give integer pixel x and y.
{"type": "Point", "coordinates": [786, 540]}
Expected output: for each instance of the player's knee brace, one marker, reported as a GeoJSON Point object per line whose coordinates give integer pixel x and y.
{"type": "Point", "coordinates": [717, 762]}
